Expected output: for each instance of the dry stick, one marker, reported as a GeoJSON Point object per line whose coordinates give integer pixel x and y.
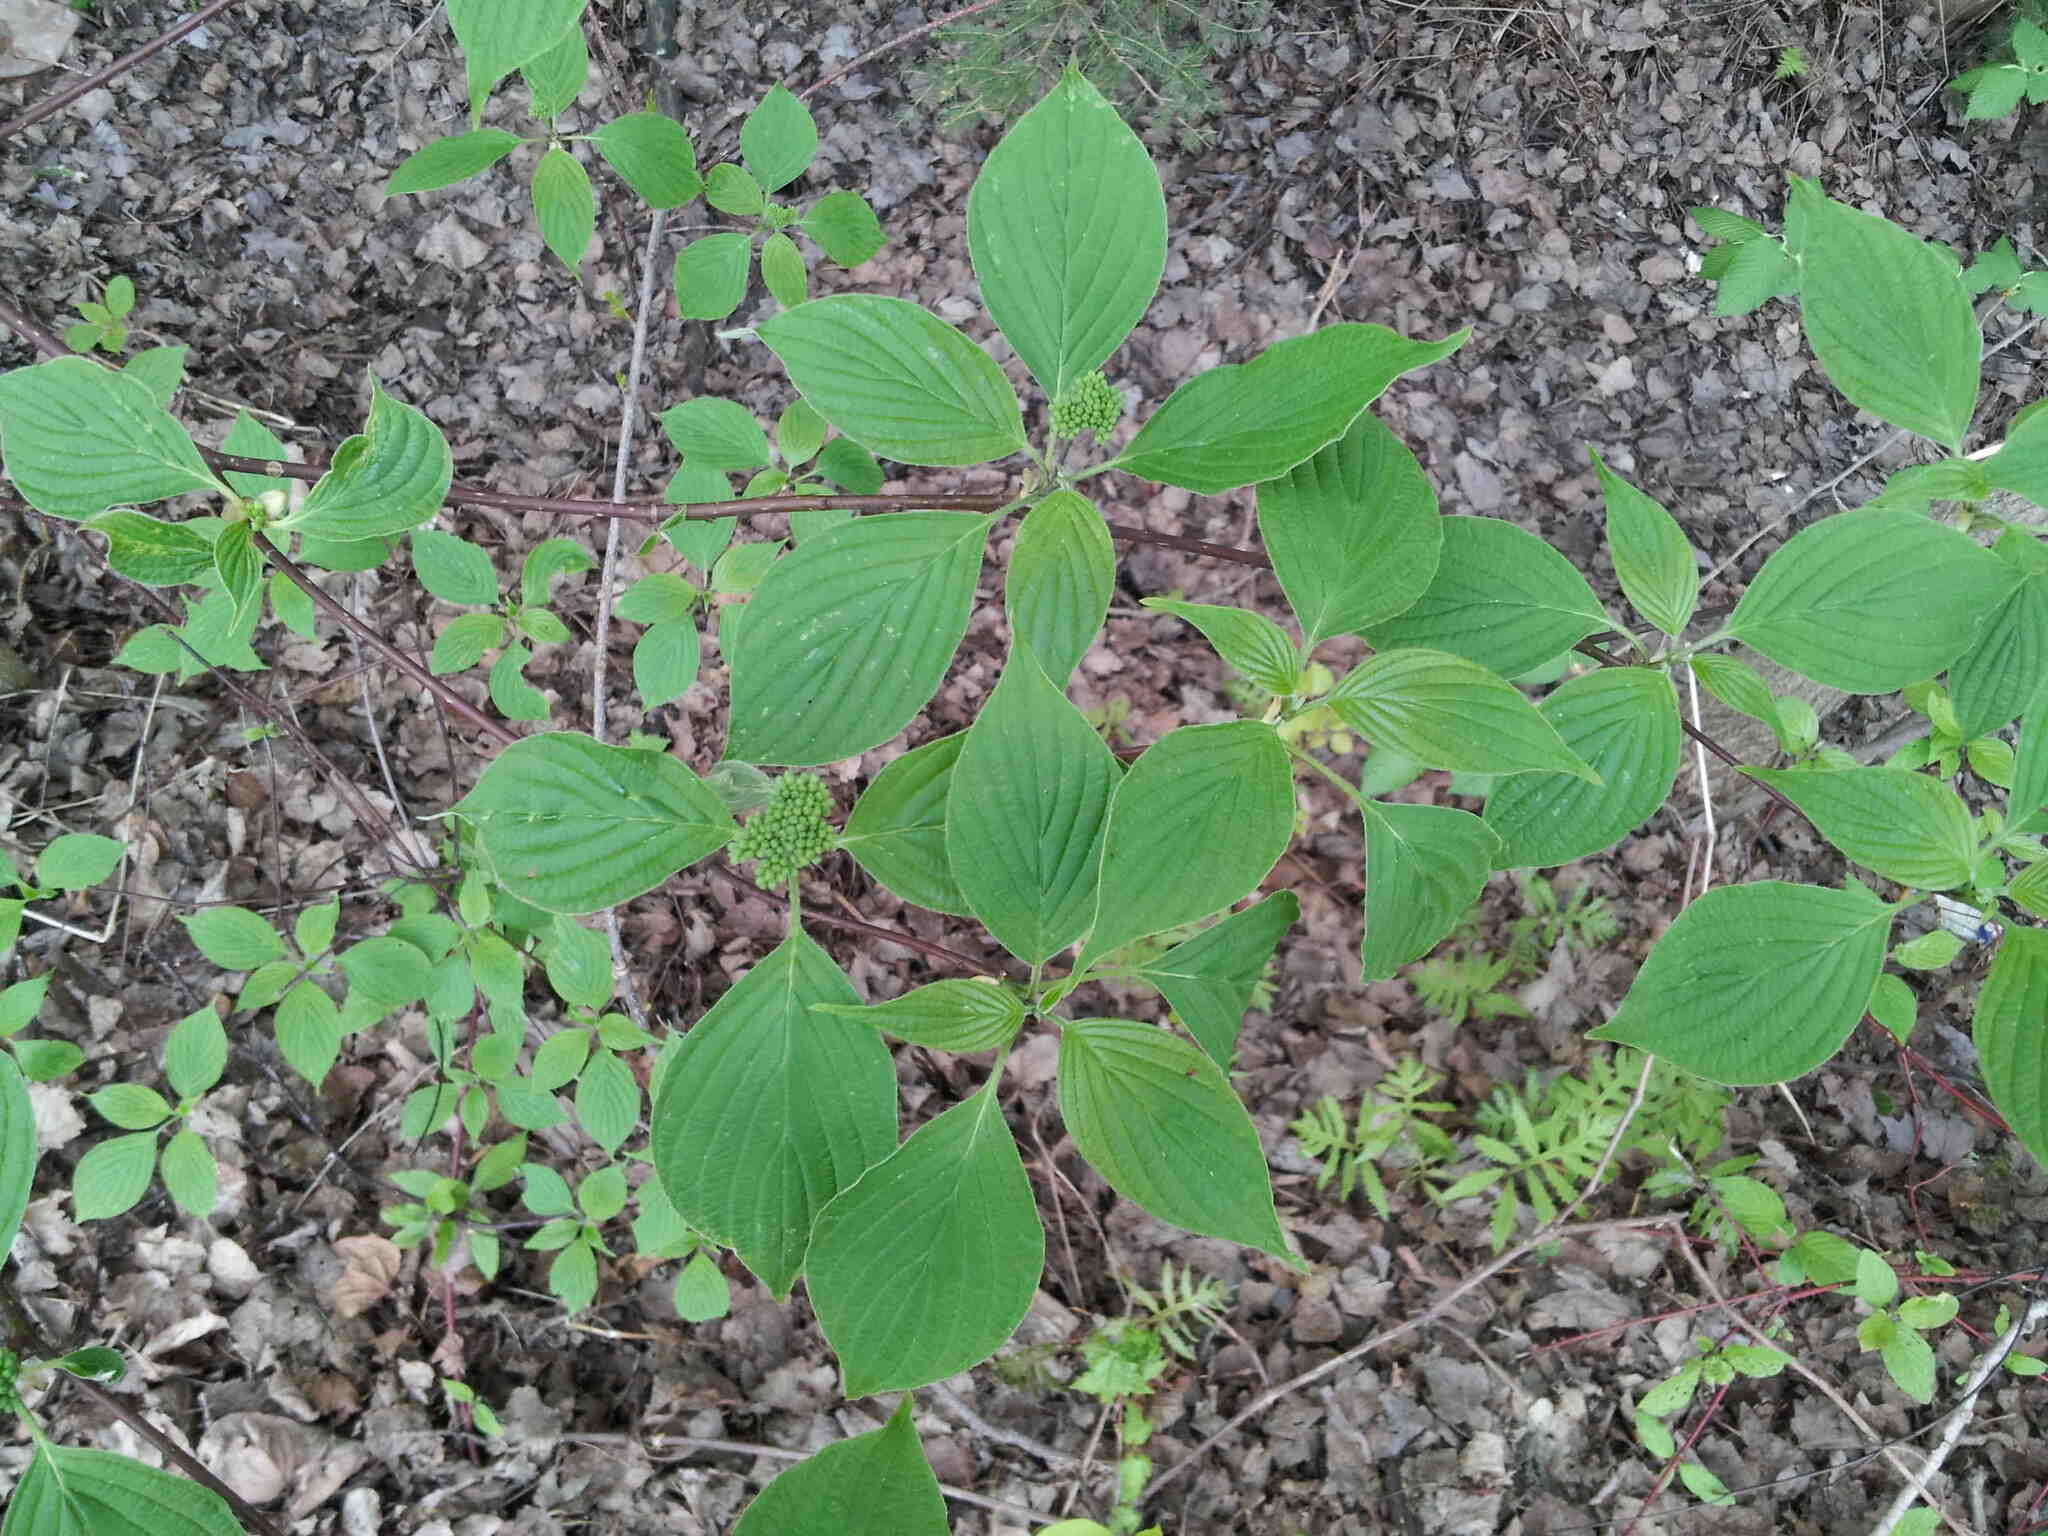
{"type": "Point", "coordinates": [895, 42]}
{"type": "Point", "coordinates": [51, 105]}
{"type": "Point", "coordinates": [355, 626]}
{"type": "Point", "coordinates": [621, 972]}
{"type": "Point", "coordinates": [1550, 1232]}
{"type": "Point", "coordinates": [25, 1337]}
{"type": "Point", "coordinates": [1952, 1431]}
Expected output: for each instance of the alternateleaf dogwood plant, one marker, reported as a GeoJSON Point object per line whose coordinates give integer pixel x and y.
{"type": "Point", "coordinates": [774, 1117]}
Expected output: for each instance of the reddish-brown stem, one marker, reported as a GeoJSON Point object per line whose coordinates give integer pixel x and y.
{"type": "Point", "coordinates": [454, 701]}
{"type": "Point", "coordinates": [49, 106]}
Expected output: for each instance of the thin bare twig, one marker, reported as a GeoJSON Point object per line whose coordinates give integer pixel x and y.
{"type": "Point", "coordinates": [49, 106]}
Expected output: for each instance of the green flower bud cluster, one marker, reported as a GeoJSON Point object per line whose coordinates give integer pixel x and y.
{"type": "Point", "coordinates": [10, 1373]}
{"type": "Point", "coordinates": [789, 832]}
{"type": "Point", "coordinates": [1089, 405]}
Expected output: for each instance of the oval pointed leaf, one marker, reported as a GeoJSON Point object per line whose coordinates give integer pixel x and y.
{"type": "Point", "coordinates": [2010, 1038]}
{"type": "Point", "coordinates": [564, 205]}
{"type": "Point", "coordinates": [1026, 813]}
{"type": "Point", "coordinates": [499, 36]}
{"type": "Point", "coordinates": [1500, 597]}
{"type": "Point", "coordinates": [576, 826]}
{"type": "Point", "coordinates": [71, 1492]}
{"type": "Point", "coordinates": [876, 1484]}
{"type": "Point", "coordinates": [1242, 423]}
{"type": "Point", "coordinates": [1057, 587]}
{"type": "Point", "coordinates": [957, 1015]}
{"type": "Point", "coordinates": [654, 154]}
{"type": "Point", "coordinates": [454, 570]}
{"type": "Point", "coordinates": [389, 478]}
{"type": "Point", "coordinates": [1210, 978]}
{"type": "Point", "coordinates": [77, 439]}
{"type": "Point", "coordinates": [1887, 315]}
{"type": "Point", "coordinates": [447, 161]}
{"type": "Point", "coordinates": [716, 434]}
{"type": "Point", "coordinates": [1156, 1118]}
{"type": "Point", "coordinates": [1904, 825]}
{"type": "Point", "coordinates": [767, 1111]}
{"type": "Point", "coordinates": [897, 829]}
{"type": "Point", "coordinates": [778, 139]}
{"type": "Point", "coordinates": [1652, 558]}
{"type": "Point", "coordinates": [1248, 642]}
{"type": "Point", "coordinates": [1623, 721]}
{"type": "Point", "coordinates": [1446, 712]}
{"type": "Point", "coordinates": [845, 227]}
{"type": "Point", "coordinates": [1756, 983]}
{"type": "Point", "coordinates": [898, 379]}
{"type": "Point", "coordinates": [1424, 866]}
{"type": "Point", "coordinates": [1066, 227]}
{"type": "Point", "coordinates": [17, 1148]}
{"type": "Point", "coordinates": [850, 634]}
{"type": "Point", "coordinates": [711, 276]}
{"type": "Point", "coordinates": [1222, 798]}
{"type": "Point", "coordinates": [153, 553]}
{"type": "Point", "coordinates": [927, 1264]}
{"type": "Point", "coordinates": [1872, 599]}
{"type": "Point", "coordinates": [1353, 531]}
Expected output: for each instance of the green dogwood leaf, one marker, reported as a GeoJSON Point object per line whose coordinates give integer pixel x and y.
{"type": "Point", "coordinates": [850, 634]}
{"type": "Point", "coordinates": [1424, 867]}
{"type": "Point", "coordinates": [1446, 712]}
{"type": "Point", "coordinates": [1756, 983]}
{"type": "Point", "coordinates": [1242, 423]}
{"type": "Point", "coordinates": [897, 379]}
{"type": "Point", "coordinates": [1156, 1118]}
{"type": "Point", "coordinates": [767, 1110]}
{"type": "Point", "coordinates": [77, 439]}
{"type": "Point", "coordinates": [575, 826]}
{"type": "Point", "coordinates": [1905, 826]}
{"type": "Point", "coordinates": [1066, 227]}
{"type": "Point", "coordinates": [877, 1484]}
{"type": "Point", "coordinates": [928, 1263]}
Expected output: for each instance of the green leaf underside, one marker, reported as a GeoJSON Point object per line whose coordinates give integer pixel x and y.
{"type": "Point", "coordinates": [1887, 315]}
{"type": "Point", "coordinates": [447, 161]}
{"type": "Point", "coordinates": [1447, 712]}
{"type": "Point", "coordinates": [957, 1014]}
{"type": "Point", "coordinates": [1623, 721]}
{"type": "Point", "coordinates": [850, 634]}
{"type": "Point", "coordinates": [67, 1491]}
{"type": "Point", "coordinates": [1905, 826]}
{"type": "Point", "coordinates": [897, 829]}
{"type": "Point", "coordinates": [768, 1110]}
{"type": "Point", "coordinates": [1243, 423]}
{"type": "Point", "coordinates": [1756, 983]}
{"type": "Point", "coordinates": [77, 439]}
{"type": "Point", "coordinates": [1061, 575]}
{"type": "Point", "coordinates": [655, 156]}
{"type": "Point", "coordinates": [928, 1263]}
{"type": "Point", "coordinates": [1026, 813]}
{"type": "Point", "coordinates": [877, 1484]}
{"type": "Point", "coordinates": [2010, 1039]}
{"type": "Point", "coordinates": [1424, 866]}
{"type": "Point", "coordinates": [1500, 597]}
{"type": "Point", "coordinates": [1209, 979]}
{"type": "Point", "coordinates": [1872, 599]}
{"type": "Point", "coordinates": [1156, 1118]}
{"type": "Point", "coordinates": [575, 826]}
{"type": "Point", "coordinates": [1353, 531]}
{"type": "Point", "coordinates": [898, 379]}
{"type": "Point", "coordinates": [1066, 226]}
{"type": "Point", "coordinates": [1221, 796]}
